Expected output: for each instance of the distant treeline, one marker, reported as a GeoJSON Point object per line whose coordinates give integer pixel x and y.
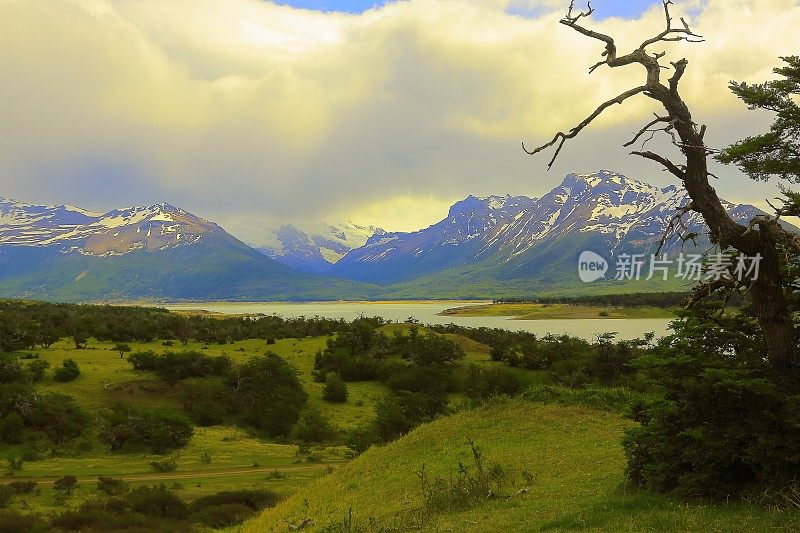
{"type": "Point", "coordinates": [637, 299]}
{"type": "Point", "coordinates": [29, 324]}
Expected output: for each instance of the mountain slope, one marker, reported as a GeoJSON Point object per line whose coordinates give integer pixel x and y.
{"type": "Point", "coordinates": [495, 246]}
{"type": "Point", "coordinates": [160, 251]}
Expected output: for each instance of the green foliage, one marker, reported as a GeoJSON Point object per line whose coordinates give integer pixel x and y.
{"type": "Point", "coordinates": [618, 399]}
{"type": "Point", "coordinates": [37, 369]}
{"type": "Point", "coordinates": [484, 382]}
{"type": "Point", "coordinates": [777, 152]}
{"type": "Point", "coordinates": [267, 393]}
{"type": "Point", "coordinates": [55, 415]}
{"type": "Point", "coordinates": [15, 464]}
{"type": "Point", "coordinates": [6, 494]}
{"type": "Point", "coordinates": [335, 390]}
{"type": "Point", "coordinates": [65, 484]}
{"type": "Point", "coordinates": [122, 348]}
{"type": "Point", "coordinates": [14, 522]}
{"type": "Point", "coordinates": [255, 499]}
{"type": "Point", "coordinates": [169, 464]}
{"type": "Point", "coordinates": [472, 485]}
{"type": "Point", "coordinates": [397, 414]}
{"type": "Point", "coordinates": [22, 487]}
{"type": "Point", "coordinates": [172, 366]}
{"type": "Point", "coordinates": [112, 486]}
{"type": "Point", "coordinates": [11, 428]}
{"type": "Point", "coordinates": [312, 427]}
{"type": "Point", "coordinates": [206, 400]}
{"type": "Point", "coordinates": [726, 423]}
{"type": "Point", "coordinates": [69, 371]}
{"type": "Point", "coordinates": [157, 430]}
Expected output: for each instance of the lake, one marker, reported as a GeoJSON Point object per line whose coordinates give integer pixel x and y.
{"type": "Point", "coordinates": [427, 313]}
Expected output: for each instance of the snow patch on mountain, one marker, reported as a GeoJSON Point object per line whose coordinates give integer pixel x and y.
{"type": "Point", "coordinates": [116, 232]}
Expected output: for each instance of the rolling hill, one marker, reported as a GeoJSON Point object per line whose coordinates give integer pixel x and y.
{"type": "Point", "coordinates": [566, 463]}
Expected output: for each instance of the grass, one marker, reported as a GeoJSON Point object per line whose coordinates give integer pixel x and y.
{"type": "Point", "coordinates": [531, 311]}
{"type": "Point", "coordinates": [567, 461]}
{"type": "Point", "coordinates": [106, 378]}
{"type": "Point", "coordinates": [237, 459]}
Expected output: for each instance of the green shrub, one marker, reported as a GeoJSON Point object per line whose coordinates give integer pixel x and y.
{"type": "Point", "coordinates": [472, 485]}
{"type": "Point", "coordinates": [158, 430]}
{"type": "Point", "coordinates": [11, 428]}
{"type": "Point", "coordinates": [14, 522]}
{"type": "Point", "coordinates": [253, 498]}
{"type": "Point", "coordinates": [727, 422]}
{"type": "Point", "coordinates": [225, 515]}
{"type": "Point", "coordinates": [15, 464]}
{"type": "Point", "coordinates": [397, 414]}
{"type": "Point", "coordinates": [617, 399]}
{"type": "Point", "coordinates": [6, 493]}
{"type": "Point", "coordinates": [37, 369]}
{"type": "Point", "coordinates": [66, 484]}
{"type": "Point", "coordinates": [68, 371]}
{"type": "Point", "coordinates": [22, 487]}
{"type": "Point", "coordinates": [335, 390]}
{"type": "Point", "coordinates": [164, 465]}
{"type": "Point", "coordinates": [484, 383]}
{"type": "Point", "coordinates": [112, 486]}
{"type": "Point", "coordinates": [158, 502]}
{"type": "Point", "coordinates": [267, 394]}
{"type": "Point", "coordinates": [312, 427]}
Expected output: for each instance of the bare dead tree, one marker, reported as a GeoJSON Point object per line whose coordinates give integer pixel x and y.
{"type": "Point", "coordinates": [764, 235]}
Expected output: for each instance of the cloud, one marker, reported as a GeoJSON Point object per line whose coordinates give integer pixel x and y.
{"type": "Point", "coordinates": [231, 107]}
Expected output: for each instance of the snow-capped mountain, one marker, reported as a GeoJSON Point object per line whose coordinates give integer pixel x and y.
{"type": "Point", "coordinates": [516, 237]}
{"type": "Point", "coordinates": [116, 232]}
{"type": "Point", "coordinates": [159, 251]}
{"type": "Point", "coordinates": [302, 245]}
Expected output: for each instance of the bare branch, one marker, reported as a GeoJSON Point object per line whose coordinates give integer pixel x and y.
{"type": "Point", "coordinates": [680, 68]}
{"type": "Point", "coordinates": [677, 219]}
{"type": "Point", "coordinates": [562, 137]}
{"type": "Point", "coordinates": [666, 163]}
{"type": "Point", "coordinates": [646, 129]}
{"type": "Point", "coordinates": [575, 18]}
{"type": "Point", "coordinates": [703, 290]}
{"type": "Point", "coordinates": [671, 34]}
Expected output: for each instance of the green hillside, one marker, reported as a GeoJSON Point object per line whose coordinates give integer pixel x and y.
{"type": "Point", "coordinates": [567, 468]}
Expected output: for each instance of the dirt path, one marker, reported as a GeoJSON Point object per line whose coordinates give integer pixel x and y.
{"type": "Point", "coordinates": [194, 474]}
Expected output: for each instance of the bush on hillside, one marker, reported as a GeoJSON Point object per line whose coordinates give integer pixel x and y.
{"type": "Point", "coordinates": [727, 423]}
{"type": "Point", "coordinates": [335, 390]}
{"type": "Point", "coordinates": [68, 371]}
{"type": "Point", "coordinates": [157, 430]}
{"type": "Point", "coordinates": [312, 427]}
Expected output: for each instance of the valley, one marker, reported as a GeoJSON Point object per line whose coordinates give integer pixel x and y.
{"type": "Point", "coordinates": [485, 248]}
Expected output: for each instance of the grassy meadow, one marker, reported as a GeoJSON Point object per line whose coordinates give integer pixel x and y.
{"type": "Point", "coordinates": [566, 473]}
{"type": "Point", "coordinates": [564, 464]}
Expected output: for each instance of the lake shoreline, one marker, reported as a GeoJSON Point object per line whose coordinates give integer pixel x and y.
{"type": "Point", "coordinates": [532, 311]}
{"type": "Point", "coordinates": [431, 312]}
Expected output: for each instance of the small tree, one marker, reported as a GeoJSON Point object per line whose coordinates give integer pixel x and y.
{"type": "Point", "coordinates": [312, 427]}
{"type": "Point", "coordinates": [80, 339]}
{"type": "Point", "coordinates": [69, 371]}
{"type": "Point", "coordinates": [122, 349]}
{"type": "Point", "coordinates": [37, 369]}
{"type": "Point", "coordinates": [335, 390]}
{"type": "Point", "coordinates": [66, 484]}
{"type": "Point", "coordinates": [11, 428]}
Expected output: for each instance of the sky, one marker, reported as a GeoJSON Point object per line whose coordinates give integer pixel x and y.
{"type": "Point", "coordinates": [247, 110]}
